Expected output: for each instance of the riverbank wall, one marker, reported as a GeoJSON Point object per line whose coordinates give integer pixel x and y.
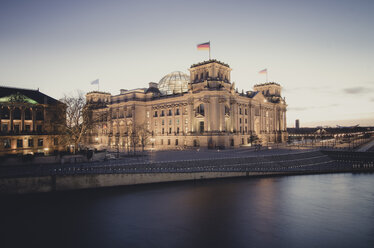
{"type": "Point", "coordinates": [66, 178]}
{"type": "Point", "coordinates": [73, 182]}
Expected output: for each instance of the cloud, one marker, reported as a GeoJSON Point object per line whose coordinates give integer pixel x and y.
{"type": "Point", "coordinates": [312, 107]}
{"type": "Point", "coordinates": [372, 99]}
{"type": "Point", "coordinates": [357, 90]}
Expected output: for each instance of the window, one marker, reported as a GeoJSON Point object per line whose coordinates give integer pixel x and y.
{"type": "Point", "coordinates": [17, 114]}
{"type": "Point", "coordinates": [240, 129]}
{"type": "Point", "coordinates": [201, 126]}
{"type": "Point", "coordinates": [257, 111]}
{"type": "Point", "coordinates": [114, 114]}
{"type": "Point", "coordinates": [242, 141]}
{"type": "Point", "coordinates": [246, 130]}
{"type": "Point", "coordinates": [16, 128]}
{"type": "Point", "coordinates": [162, 113]}
{"type": "Point", "coordinates": [39, 115]}
{"type": "Point", "coordinates": [55, 141]}
{"type": "Point", "coordinates": [121, 113]}
{"type": "Point", "coordinates": [177, 129]}
{"type": "Point", "coordinates": [168, 142]}
{"type": "Point", "coordinates": [177, 111]}
{"type": "Point", "coordinates": [200, 109]}
{"type": "Point", "coordinates": [169, 130]}
{"type": "Point", "coordinates": [163, 122]}
{"type": "Point", "coordinates": [4, 128]}
{"type": "Point", "coordinates": [162, 141]}
{"type": "Point", "coordinates": [163, 130]}
{"type": "Point", "coordinates": [39, 128]}
{"type": "Point", "coordinates": [245, 112]}
{"type": "Point", "coordinates": [227, 110]}
{"type": "Point", "coordinates": [40, 142]}
{"type": "Point", "coordinates": [240, 110]}
{"type": "Point", "coordinates": [27, 128]}
{"type": "Point", "coordinates": [155, 115]}
{"type": "Point", "coordinates": [177, 121]}
{"type": "Point", "coordinates": [170, 114]}
{"type": "Point", "coordinates": [240, 120]}
{"type": "Point", "coordinates": [19, 143]}
{"type": "Point", "coordinates": [6, 143]}
{"type": "Point", "coordinates": [246, 121]}
{"type": "Point", "coordinates": [176, 142]}
{"type": "Point", "coordinates": [170, 122]}
{"type": "Point", "coordinates": [31, 143]}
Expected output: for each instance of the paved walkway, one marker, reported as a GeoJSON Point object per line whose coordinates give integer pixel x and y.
{"type": "Point", "coordinates": [366, 147]}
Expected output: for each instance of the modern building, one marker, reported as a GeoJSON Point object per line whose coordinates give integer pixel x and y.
{"type": "Point", "coordinates": [297, 123]}
{"type": "Point", "coordinates": [201, 109]}
{"type": "Point", "coordinates": [29, 122]}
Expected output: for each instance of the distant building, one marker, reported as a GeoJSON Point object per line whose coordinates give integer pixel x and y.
{"type": "Point", "coordinates": [29, 121]}
{"type": "Point", "coordinates": [201, 109]}
{"type": "Point", "coordinates": [297, 123]}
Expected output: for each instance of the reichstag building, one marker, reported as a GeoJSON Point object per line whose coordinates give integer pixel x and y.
{"type": "Point", "coordinates": [202, 109]}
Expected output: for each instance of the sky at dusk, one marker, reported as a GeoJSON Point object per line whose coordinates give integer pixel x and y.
{"type": "Point", "coordinates": [321, 52]}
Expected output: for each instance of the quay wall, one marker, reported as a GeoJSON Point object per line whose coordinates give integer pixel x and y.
{"type": "Point", "coordinates": [24, 185]}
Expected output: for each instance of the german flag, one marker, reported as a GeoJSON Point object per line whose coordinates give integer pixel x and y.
{"type": "Point", "coordinates": [203, 46]}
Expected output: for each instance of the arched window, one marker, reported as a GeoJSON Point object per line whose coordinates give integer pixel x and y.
{"type": "Point", "coordinates": [28, 115]}
{"type": "Point", "coordinates": [39, 115]}
{"type": "Point", "coordinates": [17, 114]}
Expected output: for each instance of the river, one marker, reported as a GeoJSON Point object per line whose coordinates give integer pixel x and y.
{"type": "Point", "coordinates": [330, 210]}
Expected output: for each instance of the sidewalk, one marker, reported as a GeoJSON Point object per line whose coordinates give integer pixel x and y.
{"type": "Point", "coordinates": [366, 147]}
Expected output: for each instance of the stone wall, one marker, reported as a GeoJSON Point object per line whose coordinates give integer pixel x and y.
{"type": "Point", "coordinates": [71, 182]}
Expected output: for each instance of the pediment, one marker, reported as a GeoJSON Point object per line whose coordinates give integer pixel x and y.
{"type": "Point", "coordinates": [259, 97]}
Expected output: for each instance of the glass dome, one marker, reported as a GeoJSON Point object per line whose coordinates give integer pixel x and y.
{"type": "Point", "coordinates": [172, 83]}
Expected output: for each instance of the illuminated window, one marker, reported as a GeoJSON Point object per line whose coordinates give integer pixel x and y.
{"type": "Point", "coordinates": [19, 143]}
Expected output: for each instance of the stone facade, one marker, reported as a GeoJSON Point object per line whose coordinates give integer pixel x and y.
{"type": "Point", "coordinates": [29, 122]}
{"type": "Point", "coordinates": [210, 112]}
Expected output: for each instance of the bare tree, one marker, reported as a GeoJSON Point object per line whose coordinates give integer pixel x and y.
{"type": "Point", "coordinates": [144, 134]}
{"type": "Point", "coordinates": [133, 136]}
{"type": "Point", "coordinates": [78, 119]}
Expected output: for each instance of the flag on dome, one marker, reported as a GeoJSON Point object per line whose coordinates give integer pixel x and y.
{"type": "Point", "coordinates": [264, 71]}
{"type": "Point", "coordinates": [203, 46]}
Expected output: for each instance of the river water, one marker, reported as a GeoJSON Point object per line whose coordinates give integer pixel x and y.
{"type": "Point", "coordinates": [331, 210]}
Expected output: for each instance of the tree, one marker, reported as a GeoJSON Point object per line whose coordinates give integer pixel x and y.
{"type": "Point", "coordinates": [137, 134]}
{"type": "Point", "coordinates": [78, 119]}
{"type": "Point", "coordinates": [144, 134]}
{"type": "Point", "coordinates": [254, 139]}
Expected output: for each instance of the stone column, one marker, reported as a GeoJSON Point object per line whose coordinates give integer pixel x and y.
{"type": "Point", "coordinates": [191, 117]}
{"type": "Point", "coordinates": [11, 118]}
{"type": "Point", "coordinates": [22, 119]}
{"type": "Point", "coordinates": [33, 117]}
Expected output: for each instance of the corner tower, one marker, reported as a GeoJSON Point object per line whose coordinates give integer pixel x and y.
{"type": "Point", "coordinates": [210, 74]}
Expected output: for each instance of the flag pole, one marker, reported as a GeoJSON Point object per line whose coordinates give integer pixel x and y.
{"type": "Point", "coordinates": [209, 50]}
{"type": "Point", "coordinates": [267, 76]}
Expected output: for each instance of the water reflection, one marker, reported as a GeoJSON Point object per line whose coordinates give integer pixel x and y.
{"type": "Point", "coordinates": [296, 211]}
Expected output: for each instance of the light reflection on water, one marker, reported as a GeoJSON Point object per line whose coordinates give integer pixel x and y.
{"type": "Point", "coordinates": [335, 210]}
